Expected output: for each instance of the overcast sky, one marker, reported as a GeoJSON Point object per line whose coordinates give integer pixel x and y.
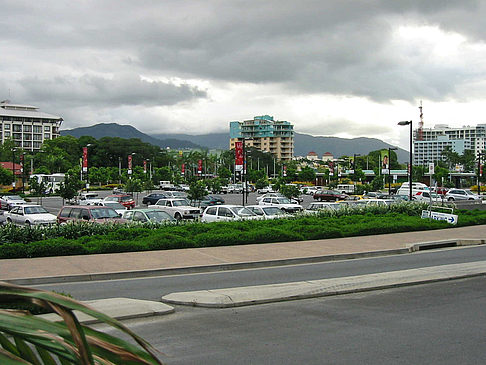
{"type": "Point", "coordinates": [331, 67]}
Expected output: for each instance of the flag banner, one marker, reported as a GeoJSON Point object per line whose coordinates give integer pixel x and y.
{"type": "Point", "coordinates": [85, 159]}
{"type": "Point", "coordinates": [239, 156]}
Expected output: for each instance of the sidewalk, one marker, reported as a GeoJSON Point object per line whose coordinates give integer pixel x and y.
{"type": "Point", "coordinates": [137, 264]}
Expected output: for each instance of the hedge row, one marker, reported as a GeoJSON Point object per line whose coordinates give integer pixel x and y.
{"type": "Point", "coordinates": [123, 239]}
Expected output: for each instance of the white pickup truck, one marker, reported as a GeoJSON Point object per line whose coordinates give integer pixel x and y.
{"type": "Point", "coordinates": [177, 208]}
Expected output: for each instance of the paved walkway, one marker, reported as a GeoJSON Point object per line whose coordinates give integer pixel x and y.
{"type": "Point", "coordinates": [90, 267]}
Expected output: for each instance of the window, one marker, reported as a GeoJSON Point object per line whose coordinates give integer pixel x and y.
{"type": "Point", "coordinates": [7, 134]}
{"type": "Point", "coordinates": [6, 127]}
{"type": "Point", "coordinates": [27, 128]}
{"type": "Point", "coordinates": [28, 144]}
{"type": "Point", "coordinates": [139, 217]}
{"type": "Point", "coordinates": [47, 128]}
{"type": "Point", "coordinates": [17, 128]}
{"type": "Point", "coordinates": [65, 212]}
{"type": "Point", "coordinates": [37, 129]}
{"type": "Point", "coordinates": [211, 211]}
{"type": "Point", "coordinates": [27, 136]}
{"type": "Point", "coordinates": [47, 136]}
{"type": "Point", "coordinates": [37, 137]}
{"type": "Point", "coordinates": [224, 212]}
{"type": "Point", "coordinates": [17, 135]}
{"type": "Point", "coordinates": [128, 215]}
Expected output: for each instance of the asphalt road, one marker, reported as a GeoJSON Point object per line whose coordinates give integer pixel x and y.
{"type": "Point", "coordinates": [440, 323]}
{"type": "Point", "coordinates": [153, 288]}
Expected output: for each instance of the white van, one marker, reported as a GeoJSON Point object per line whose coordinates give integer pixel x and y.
{"type": "Point", "coordinates": [419, 192]}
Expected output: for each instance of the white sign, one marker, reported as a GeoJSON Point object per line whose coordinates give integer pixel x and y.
{"type": "Point", "coordinates": [431, 168]}
{"type": "Point", "coordinates": [449, 218]}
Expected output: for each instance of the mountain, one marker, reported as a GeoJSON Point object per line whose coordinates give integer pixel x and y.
{"type": "Point", "coordinates": [126, 131]}
{"type": "Point", "coordinates": [303, 143]}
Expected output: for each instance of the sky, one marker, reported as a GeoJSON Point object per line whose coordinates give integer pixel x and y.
{"type": "Point", "coordinates": [331, 67]}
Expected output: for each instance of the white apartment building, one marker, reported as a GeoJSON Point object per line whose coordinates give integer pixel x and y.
{"type": "Point", "coordinates": [27, 126]}
{"type": "Point", "coordinates": [435, 140]}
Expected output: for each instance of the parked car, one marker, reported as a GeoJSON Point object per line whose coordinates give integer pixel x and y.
{"type": "Point", "coordinates": [88, 199]}
{"type": "Point", "coordinates": [177, 208]}
{"type": "Point", "coordinates": [283, 203]}
{"type": "Point", "coordinates": [124, 199]}
{"type": "Point", "coordinates": [147, 215]}
{"type": "Point", "coordinates": [221, 213]}
{"type": "Point", "coordinates": [461, 194]}
{"type": "Point", "coordinates": [173, 194]}
{"type": "Point", "coordinates": [88, 213]}
{"type": "Point", "coordinates": [117, 207]}
{"type": "Point", "coordinates": [207, 201]}
{"type": "Point", "coordinates": [266, 212]}
{"type": "Point", "coordinates": [315, 207]}
{"type": "Point", "coordinates": [7, 202]}
{"type": "Point", "coordinates": [153, 198]}
{"type": "Point", "coordinates": [29, 215]}
{"type": "Point", "coordinates": [265, 190]}
{"type": "Point", "coordinates": [426, 195]}
{"type": "Point", "coordinates": [329, 195]}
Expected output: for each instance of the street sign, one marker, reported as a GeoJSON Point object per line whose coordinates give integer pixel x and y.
{"type": "Point", "coordinates": [431, 168]}
{"type": "Point", "coordinates": [449, 218]}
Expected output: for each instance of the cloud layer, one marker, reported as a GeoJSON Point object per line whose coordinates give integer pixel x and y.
{"type": "Point", "coordinates": [353, 68]}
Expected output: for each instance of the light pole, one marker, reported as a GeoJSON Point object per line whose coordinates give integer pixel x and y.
{"type": "Point", "coordinates": [480, 172]}
{"type": "Point", "coordinates": [87, 166]}
{"type": "Point", "coordinates": [13, 168]}
{"type": "Point", "coordinates": [354, 169]}
{"type": "Point", "coordinates": [389, 168]}
{"type": "Point", "coordinates": [409, 122]}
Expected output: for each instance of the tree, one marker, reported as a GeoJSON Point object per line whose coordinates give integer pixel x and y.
{"type": "Point", "coordinates": [69, 188]}
{"type": "Point", "coordinates": [290, 191]}
{"type": "Point", "coordinates": [307, 174]}
{"type": "Point", "coordinates": [197, 190]}
{"type": "Point", "coordinates": [5, 176]}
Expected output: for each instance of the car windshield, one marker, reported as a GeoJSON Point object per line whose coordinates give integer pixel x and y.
{"type": "Point", "coordinates": [111, 199]}
{"type": "Point", "coordinates": [99, 213]}
{"type": "Point", "coordinates": [91, 196]}
{"type": "Point", "coordinates": [272, 211]}
{"type": "Point", "coordinates": [469, 192]}
{"type": "Point", "coordinates": [114, 205]}
{"type": "Point", "coordinates": [283, 201]}
{"type": "Point", "coordinates": [35, 210]}
{"type": "Point", "coordinates": [14, 197]}
{"type": "Point", "coordinates": [180, 203]}
{"type": "Point", "coordinates": [126, 198]}
{"type": "Point", "coordinates": [158, 216]}
{"type": "Point", "coordinates": [242, 211]}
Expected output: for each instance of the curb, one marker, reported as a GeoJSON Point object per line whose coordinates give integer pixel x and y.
{"type": "Point", "coordinates": [251, 295]}
{"type": "Point", "coordinates": [241, 265]}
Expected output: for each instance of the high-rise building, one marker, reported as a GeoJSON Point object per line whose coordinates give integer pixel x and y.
{"type": "Point", "coordinates": [435, 140]}
{"type": "Point", "coordinates": [27, 126]}
{"type": "Point", "coordinates": [265, 134]}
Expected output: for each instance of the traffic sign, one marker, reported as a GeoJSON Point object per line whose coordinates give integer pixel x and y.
{"type": "Point", "coordinates": [449, 218]}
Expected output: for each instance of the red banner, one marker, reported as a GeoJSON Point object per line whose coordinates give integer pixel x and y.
{"type": "Point", "coordinates": [239, 156]}
{"type": "Point", "coordinates": [183, 169]}
{"type": "Point", "coordinates": [145, 166]}
{"type": "Point", "coordinates": [130, 164]}
{"type": "Point", "coordinates": [284, 170]}
{"type": "Point", "coordinates": [85, 159]}
{"type": "Point", "coordinates": [199, 167]}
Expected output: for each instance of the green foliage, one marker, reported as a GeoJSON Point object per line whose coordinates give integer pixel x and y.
{"type": "Point", "coordinates": [5, 176]}
{"type": "Point", "coordinates": [307, 174]}
{"type": "Point", "coordinates": [87, 238]}
{"type": "Point", "coordinates": [25, 338]}
{"type": "Point", "coordinates": [197, 190]}
{"type": "Point", "coordinates": [289, 191]}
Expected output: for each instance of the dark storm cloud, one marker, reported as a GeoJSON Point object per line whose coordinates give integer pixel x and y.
{"type": "Point", "coordinates": [120, 90]}
{"type": "Point", "coordinates": [334, 47]}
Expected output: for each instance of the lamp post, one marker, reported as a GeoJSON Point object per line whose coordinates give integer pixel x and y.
{"type": "Point", "coordinates": [13, 168]}
{"type": "Point", "coordinates": [389, 168]}
{"type": "Point", "coordinates": [409, 122]}
{"type": "Point", "coordinates": [354, 169]}
{"type": "Point", "coordinates": [22, 160]}
{"type": "Point", "coordinates": [87, 165]}
{"type": "Point", "coordinates": [480, 172]}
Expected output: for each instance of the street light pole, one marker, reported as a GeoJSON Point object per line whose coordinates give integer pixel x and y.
{"type": "Point", "coordinates": [13, 168]}
{"type": "Point", "coordinates": [354, 170]}
{"type": "Point", "coordinates": [479, 172]}
{"type": "Point", "coordinates": [409, 122]}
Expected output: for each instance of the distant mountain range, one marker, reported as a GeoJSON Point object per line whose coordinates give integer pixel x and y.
{"type": "Point", "coordinates": [303, 143]}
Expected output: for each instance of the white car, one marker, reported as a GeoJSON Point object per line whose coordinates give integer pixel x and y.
{"type": "Point", "coordinates": [315, 207]}
{"type": "Point", "coordinates": [222, 213]}
{"type": "Point", "coordinates": [461, 194]}
{"type": "Point", "coordinates": [268, 212]}
{"type": "Point", "coordinates": [177, 208]}
{"type": "Point", "coordinates": [30, 215]}
{"type": "Point", "coordinates": [265, 190]}
{"type": "Point", "coordinates": [117, 207]}
{"type": "Point", "coordinates": [7, 202]}
{"type": "Point", "coordinates": [281, 202]}
{"type": "Point", "coordinates": [88, 199]}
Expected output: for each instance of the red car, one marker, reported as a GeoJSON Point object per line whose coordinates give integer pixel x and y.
{"type": "Point", "coordinates": [124, 199]}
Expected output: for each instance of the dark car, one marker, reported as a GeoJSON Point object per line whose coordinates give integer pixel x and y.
{"type": "Point", "coordinates": [329, 196]}
{"type": "Point", "coordinates": [152, 198]}
{"type": "Point", "coordinates": [88, 213]}
{"type": "Point", "coordinates": [207, 201]}
{"type": "Point", "coordinates": [124, 199]}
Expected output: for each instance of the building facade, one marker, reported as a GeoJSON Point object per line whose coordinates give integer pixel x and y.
{"type": "Point", "coordinates": [435, 140]}
{"type": "Point", "coordinates": [265, 134]}
{"type": "Point", "coordinates": [27, 126]}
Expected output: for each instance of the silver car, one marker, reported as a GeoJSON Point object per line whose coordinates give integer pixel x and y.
{"type": "Point", "coordinates": [30, 215]}
{"type": "Point", "coordinates": [461, 194]}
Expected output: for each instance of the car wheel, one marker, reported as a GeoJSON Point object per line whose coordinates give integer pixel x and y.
{"type": "Point", "coordinates": [177, 216]}
{"type": "Point", "coordinates": [451, 199]}
{"type": "Point", "coordinates": [9, 220]}
{"type": "Point", "coordinates": [28, 224]}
